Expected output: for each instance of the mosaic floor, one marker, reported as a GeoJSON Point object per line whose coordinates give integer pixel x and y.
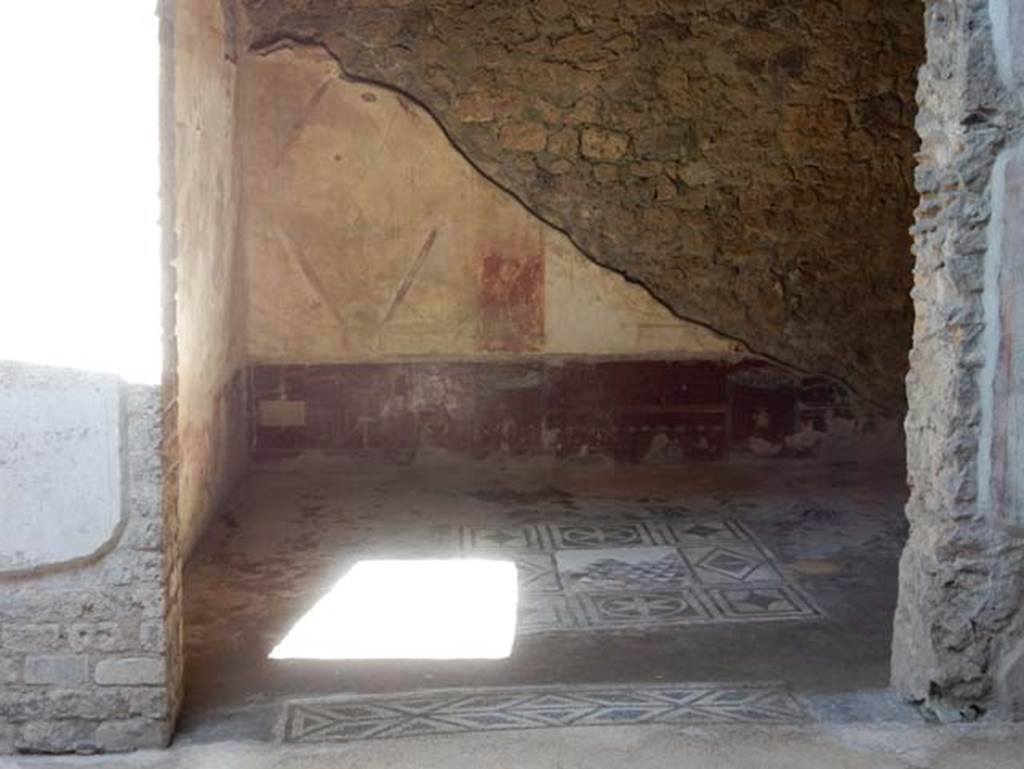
{"type": "Point", "coordinates": [645, 575]}
{"type": "Point", "coordinates": [641, 574]}
{"type": "Point", "coordinates": [344, 719]}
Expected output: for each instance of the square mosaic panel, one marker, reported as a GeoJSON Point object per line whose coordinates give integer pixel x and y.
{"type": "Point", "coordinates": [565, 536]}
{"type": "Point", "coordinates": [776, 602]}
{"type": "Point", "coordinates": [575, 536]}
{"type": "Point", "coordinates": [730, 564]}
{"type": "Point", "coordinates": [622, 568]}
{"type": "Point", "coordinates": [543, 613]}
{"type": "Point", "coordinates": [642, 608]}
{"type": "Point", "coordinates": [700, 532]}
{"type": "Point", "coordinates": [537, 573]}
{"type": "Point", "coordinates": [510, 539]}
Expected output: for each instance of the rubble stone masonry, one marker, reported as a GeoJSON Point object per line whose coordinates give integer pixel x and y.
{"type": "Point", "coordinates": [959, 642]}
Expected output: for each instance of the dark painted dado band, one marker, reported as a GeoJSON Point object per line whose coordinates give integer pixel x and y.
{"type": "Point", "coordinates": [700, 409]}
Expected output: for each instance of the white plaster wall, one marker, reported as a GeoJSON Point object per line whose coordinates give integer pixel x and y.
{"type": "Point", "coordinates": [60, 465]}
{"type": "Point", "coordinates": [210, 280]}
{"type": "Point", "coordinates": [1008, 39]}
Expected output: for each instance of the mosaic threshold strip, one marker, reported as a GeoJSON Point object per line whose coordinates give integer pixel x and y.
{"type": "Point", "coordinates": [351, 718]}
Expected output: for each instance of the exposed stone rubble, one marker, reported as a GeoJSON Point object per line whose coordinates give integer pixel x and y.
{"type": "Point", "coordinates": [959, 644]}
{"type": "Point", "coordinates": [749, 162]}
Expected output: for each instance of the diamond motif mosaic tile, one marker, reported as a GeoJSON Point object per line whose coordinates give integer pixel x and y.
{"type": "Point", "coordinates": [346, 719]}
{"type": "Point", "coordinates": [641, 574]}
{"type": "Point", "coordinates": [731, 564]}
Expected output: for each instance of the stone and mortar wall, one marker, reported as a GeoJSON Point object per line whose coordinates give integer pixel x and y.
{"type": "Point", "coordinates": [748, 162]}
{"type": "Point", "coordinates": [84, 662]}
{"type": "Point", "coordinates": [209, 316]}
{"type": "Point", "coordinates": [959, 632]}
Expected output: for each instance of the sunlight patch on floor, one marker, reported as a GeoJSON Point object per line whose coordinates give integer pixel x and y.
{"type": "Point", "coordinates": [406, 609]}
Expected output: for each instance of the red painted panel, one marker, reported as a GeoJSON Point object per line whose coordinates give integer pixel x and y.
{"type": "Point", "coordinates": [512, 296]}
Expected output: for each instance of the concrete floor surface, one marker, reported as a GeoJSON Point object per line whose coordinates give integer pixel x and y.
{"type": "Point", "coordinates": [664, 747]}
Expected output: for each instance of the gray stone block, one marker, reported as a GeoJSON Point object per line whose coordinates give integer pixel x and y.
{"type": "Point", "coordinates": [73, 736]}
{"type": "Point", "coordinates": [39, 703]}
{"type": "Point", "coordinates": [145, 535]}
{"type": "Point", "coordinates": [8, 737]}
{"type": "Point", "coordinates": [131, 671]}
{"type": "Point", "coordinates": [132, 734]}
{"type": "Point", "coordinates": [57, 669]}
{"type": "Point", "coordinates": [153, 637]}
{"type": "Point", "coordinates": [30, 638]}
{"type": "Point", "coordinates": [9, 667]}
{"type": "Point", "coordinates": [103, 637]}
{"type": "Point", "coordinates": [148, 702]}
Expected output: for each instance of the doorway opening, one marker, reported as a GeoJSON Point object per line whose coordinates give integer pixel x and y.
{"type": "Point", "coordinates": [436, 435]}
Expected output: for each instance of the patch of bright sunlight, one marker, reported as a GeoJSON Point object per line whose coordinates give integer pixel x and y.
{"type": "Point", "coordinates": [428, 609]}
{"type": "Point", "coordinates": [79, 149]}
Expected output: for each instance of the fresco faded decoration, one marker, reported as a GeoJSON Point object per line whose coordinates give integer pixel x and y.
{"type": "Point", "coordinates": [369, 236]}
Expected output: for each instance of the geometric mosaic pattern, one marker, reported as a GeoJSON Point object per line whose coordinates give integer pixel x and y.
{"type": "Point", "coordinates": [538, 573]}
{"type": "Point", "coordinates": [344, 719]}
{"type": "Point", "coordinates": [641, 574]}
{"type": "Point", "coordinates": [622, 568]}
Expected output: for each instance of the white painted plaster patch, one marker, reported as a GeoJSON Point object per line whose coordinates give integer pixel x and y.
{"type": "Point", "coordinates": [1007, 19]}
{"type": "Point", "coordinates": [60, 465]}
{"type": "Point", "coordinates": [991, 296]}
